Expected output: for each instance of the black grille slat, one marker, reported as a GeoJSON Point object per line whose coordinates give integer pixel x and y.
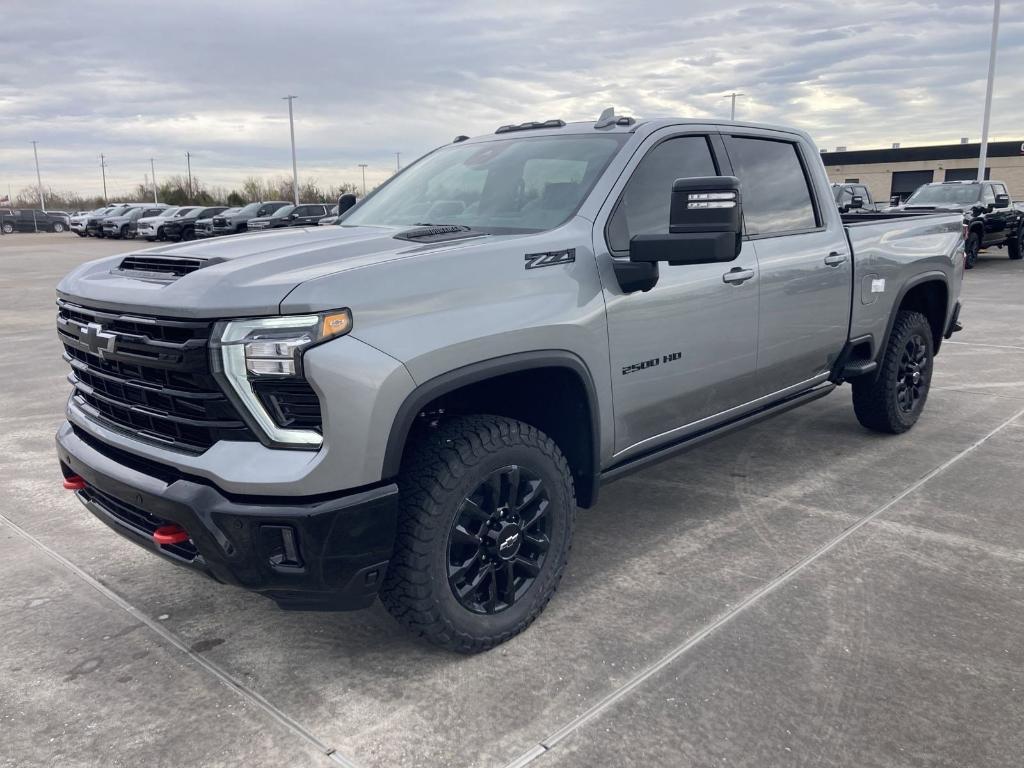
{"type": "Point", "coordinates": [156, 383]}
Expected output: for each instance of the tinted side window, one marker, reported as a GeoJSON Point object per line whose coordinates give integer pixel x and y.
{"type": "Point", "coordinates": [643, 208]}
{"type": "Point", "coordinates": [776, 197]}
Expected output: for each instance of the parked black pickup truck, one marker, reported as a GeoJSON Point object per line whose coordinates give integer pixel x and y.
{"type": "Point", "coordinates": [32, 220]}
{"type": "Point", "coordinates": [305, 215]}
{"type": "Point", "coordinates": [990, 215]}
{"type": "Point", "coordinates": [184, 227]}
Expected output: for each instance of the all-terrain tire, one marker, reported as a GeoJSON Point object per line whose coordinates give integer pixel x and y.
{"type": "Point", "coordinates": [971, 248]}
{"type": "Point", "coordinates": [439, 474]}
{"type": "Point", "coordinates": [1016, 245]}
{"type": "Point", "coordinates": [877, 399]}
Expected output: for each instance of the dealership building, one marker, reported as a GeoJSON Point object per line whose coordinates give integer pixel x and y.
{"type": "Point", "coordinates": [899, 170]}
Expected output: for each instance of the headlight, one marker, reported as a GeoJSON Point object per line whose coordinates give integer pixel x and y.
{"type": "Point", "coordinates": [270, 349]}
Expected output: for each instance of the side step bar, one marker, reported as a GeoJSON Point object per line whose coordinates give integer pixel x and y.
{"type": "Point", "coordinates": [667, 452]}
{"type": "Point", "coordinates": [856, 368]}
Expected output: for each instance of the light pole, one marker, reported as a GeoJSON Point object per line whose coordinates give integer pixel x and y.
{"type": "Point", "coordinates": [291, 126]}
{"type": "Point", "coordinates": [188, 164]}
{"type": "Point", "coordinates": [154, 179]}
{"type": "Point", "coordinates": [732, 111]}
{"type": "Point", "coordinates": [363, 166]}
{"type": "Point", "coordinates": [39, 181]}
{"type": "Point", "coordinates": [103, 170]}
{"type": "Point", "coordinates": [988, 93]}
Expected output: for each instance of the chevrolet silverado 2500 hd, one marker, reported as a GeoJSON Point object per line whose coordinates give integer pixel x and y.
{"type": "Point", "coordinates": [414, 402]}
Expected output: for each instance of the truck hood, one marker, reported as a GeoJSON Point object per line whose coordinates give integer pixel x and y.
{"type": "Point", "coordinates": [242, 275]}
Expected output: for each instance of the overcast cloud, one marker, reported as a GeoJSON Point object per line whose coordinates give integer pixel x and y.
{"type": "Point", "coordinates": [137, 80]}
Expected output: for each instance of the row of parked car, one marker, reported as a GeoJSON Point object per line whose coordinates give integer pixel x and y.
{"type": "Point", "coordinates": [157, 221]}
{"type": "Point", "coordinates": [991, 218]}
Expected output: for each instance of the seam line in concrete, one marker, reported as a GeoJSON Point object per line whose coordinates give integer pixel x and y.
{"type": "Point", "coordinates": [214, 669]}
{"type": "Point", "coordinates": [978, 344]}
{"type": "Point", "coordinates": [637, 680]}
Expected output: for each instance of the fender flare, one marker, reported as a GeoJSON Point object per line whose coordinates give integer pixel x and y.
{"type": "Point", "coordinates": [444, 383]}
{"type": "Point", "coordinates": [925, 277]}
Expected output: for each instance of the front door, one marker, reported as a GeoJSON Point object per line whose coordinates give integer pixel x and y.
{"type": "Point", "coordinates": [684, 351]}
{"type": "Point", "coordinates": [804, 260]}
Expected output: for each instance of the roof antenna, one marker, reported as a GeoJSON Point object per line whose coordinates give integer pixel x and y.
{"type": "Point", "coordinates": [607, 119]}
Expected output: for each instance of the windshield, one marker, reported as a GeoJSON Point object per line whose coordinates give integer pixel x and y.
{"type": "Point", "coordinates": [939, 194]}
{"type": "Point", "coordinates": [280, 213]}
{"type": "Point", "coordinates": [505, 186]}
{"type": "Point", "coordinates": [166, 212]}
{"type": "Point", "coordinates": [250, 208]}
{"type": "Point", "coordinates": [229, 212]}
{"type": "Point", "coordinates": [185, 211]}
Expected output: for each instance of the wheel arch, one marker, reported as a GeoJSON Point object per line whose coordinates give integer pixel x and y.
{"type": "Point", "coordinates": [541, 387]}
{"type": "Point", "coordinates": [929, 294]}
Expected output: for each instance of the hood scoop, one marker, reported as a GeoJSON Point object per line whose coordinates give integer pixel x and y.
{"type": "Point", "coordinates": [164, 268]}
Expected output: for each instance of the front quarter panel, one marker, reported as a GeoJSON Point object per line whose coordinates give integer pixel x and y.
{"type": "Point", "coordinates": [442, 308]}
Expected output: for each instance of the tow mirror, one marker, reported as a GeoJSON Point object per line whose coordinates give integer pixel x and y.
{"type": "Point", "coordinates": [1002, 200]}
{"type": "Point", "coordinates": [705, 227]}
{"type": "Point", "coordinates": [345, 202]}
{"type": "Point", "coordinates": [856, 202]}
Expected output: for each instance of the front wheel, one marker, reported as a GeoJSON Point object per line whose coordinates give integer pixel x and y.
{"type": "Point", "coordinates": [8, 229]}
{"type": "Point", "coordinates": [485, 527]}
{"type": "Point", "coordinates": [971, 248]}
{"type": "Point", "coordinates": [80, 234]}
{"type": "Point", "coordinates": [893, 400]}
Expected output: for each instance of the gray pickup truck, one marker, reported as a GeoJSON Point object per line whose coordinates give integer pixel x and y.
{"type": "Point", "coordinates": [413, 403]}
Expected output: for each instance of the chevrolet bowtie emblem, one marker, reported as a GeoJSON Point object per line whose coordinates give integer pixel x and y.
{"type": "Point", "coordinates": [98, 341]}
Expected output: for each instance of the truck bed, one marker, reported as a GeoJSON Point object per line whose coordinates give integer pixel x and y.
{"type": "Point", "coordinates": [890, 252]}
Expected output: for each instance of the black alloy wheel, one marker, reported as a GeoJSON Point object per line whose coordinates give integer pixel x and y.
{"type": "Point", "coordinates": [913, 374]}
{"type": "Point", "coordinates": [499, 540]}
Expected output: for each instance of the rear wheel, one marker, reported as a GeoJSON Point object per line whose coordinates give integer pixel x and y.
{"type": "Point", "coordinates": [893, 400]}
{"type": "Point", "coordinates": [188, 234]}
{"type": "Point", "coordinates": [485, 528]}
{"type": "Point", "coordinates": [971, 248]}
{"type": "Point", "coordinates": [1016, 245]}
{"type": "Point", "coordinates": [58, 226]}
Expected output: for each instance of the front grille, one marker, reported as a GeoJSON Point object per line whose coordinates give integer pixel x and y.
{"type": "Point", "coordinates": [220, 222]}
{"type": "Point", "coordinates": [147, 376]}
{"type": "Point", "coordinates": [137, 520]}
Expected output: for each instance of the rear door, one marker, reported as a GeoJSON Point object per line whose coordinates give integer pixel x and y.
{"type": "Point", "coordinates": [803, 257]}
{"type": "Point", "coordinates": [685, 351]}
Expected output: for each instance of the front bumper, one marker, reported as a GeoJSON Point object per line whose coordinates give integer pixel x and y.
{"type": "Point", "coordinates": [342, 543]}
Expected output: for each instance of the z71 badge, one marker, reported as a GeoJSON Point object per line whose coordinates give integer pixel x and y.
{"type": "Point", "coordinates": [652, 363]}
{"type": "Point", "coordinates": [550, 258]}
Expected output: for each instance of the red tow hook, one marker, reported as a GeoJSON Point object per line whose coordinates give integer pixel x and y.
{"type": "Point", "coordinates": [170, 534]}
{"type": "Point", "coordinates": [74, 483]}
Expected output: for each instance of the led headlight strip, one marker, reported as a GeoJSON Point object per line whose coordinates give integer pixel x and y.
{"type": "Point", "coordinates": [268, 349]}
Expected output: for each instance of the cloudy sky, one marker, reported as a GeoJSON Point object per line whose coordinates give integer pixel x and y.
{"type": "Point", "coordinates": [135, 80]}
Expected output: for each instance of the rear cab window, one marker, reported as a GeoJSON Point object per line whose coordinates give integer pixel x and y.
{"type": "Point", "coordinates": [775, 186]}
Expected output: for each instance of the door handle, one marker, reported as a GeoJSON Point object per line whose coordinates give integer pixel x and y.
{"type": "Point", "coordinates": [835, 258]}
{"type": "Point", "coordinates": [737, 275]}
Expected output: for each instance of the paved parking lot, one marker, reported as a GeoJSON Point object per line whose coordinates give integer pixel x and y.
{"type": "Point", "coordinates": [803, 593]}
